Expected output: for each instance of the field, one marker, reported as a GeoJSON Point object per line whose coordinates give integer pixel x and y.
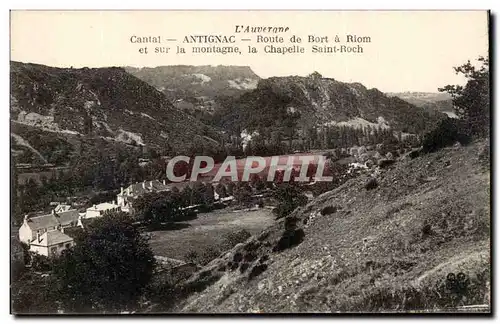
{"type": "Point", "coordinates": [207, 230]}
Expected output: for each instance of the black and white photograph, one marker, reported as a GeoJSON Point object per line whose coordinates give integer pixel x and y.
{"type": "Point", "coordinates": [250, 162]}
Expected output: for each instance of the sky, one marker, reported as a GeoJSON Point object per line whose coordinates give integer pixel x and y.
{"type": "Point", "coordinates": [409, 50]}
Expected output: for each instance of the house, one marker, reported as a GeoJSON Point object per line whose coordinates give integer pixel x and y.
{"type": "Point", "coordinates": [62, 208]}
{"type": "Point", "coordinates": [41, 224]}
{"type": "Point", "coordinates": [101, 210]}
{"type": "Point", "coordinates": [125, 197]}
{"type": "Point", "coordinates": [36, 225]}
{"type": "Point", "coordinates": [51, 243]}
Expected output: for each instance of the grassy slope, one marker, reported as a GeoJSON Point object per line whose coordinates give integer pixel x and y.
{"type": "Point", "coordinates": [383, 250]}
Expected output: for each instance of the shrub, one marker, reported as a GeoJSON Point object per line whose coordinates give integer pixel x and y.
{"type": "Point", "coordinates": [290, 238]}
{"type": "Point", "coordinates": [448, 132]}
{"type": "Point", "coordinates": [257, 270]}
{"type": "Point", "coordinates": [40, 262]}
{"type": "Point", "coordinates": [107, 269]}
{"type": "Point", "coordinates": [371, 184]}
{"type": "Point", "coordinates": [289, 197]}
{"type": "Point", "coordinates": [233, 238]}
{"type": "Point", "coordinates": [191, 256]}
{"type": "Point", "coordinates": [328, 210]}
{"type": "Point", "coordinates": [208, 255]}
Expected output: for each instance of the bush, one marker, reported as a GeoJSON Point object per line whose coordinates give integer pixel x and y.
{"type": "Point", "coordinates": [448, 132]}
{"type": "Point", "coordinates": [40, 262]}
{"type": "Point", "coordinates": [233, 238]}
{"type": "Point", "coordinates": [208, 255]}
{"type": "Point", "coordinates": [328, 210]}
{"type": "Point", "coordinates": [289, 197]}
{"type": "Point", "coordinates": [371, 184]}
{"type": "Point", "coordinates": [191, 256]}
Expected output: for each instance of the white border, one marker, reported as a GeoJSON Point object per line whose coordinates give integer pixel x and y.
{"type": "Point", "coordinates": [189, 4]}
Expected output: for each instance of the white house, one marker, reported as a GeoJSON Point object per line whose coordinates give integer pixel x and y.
{"type": "Point", "coordinates": [41, 224]}
{"type": "Point", "coordinates": [125, 197]}
{"type": "Point", "coordinates": [51, 243]}
{"type": "Point", "coordinates": [101, 210]}
{"type": "Point", "coordinates": [36, 225]}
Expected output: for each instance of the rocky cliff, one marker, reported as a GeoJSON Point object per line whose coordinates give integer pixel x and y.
{"type": "Point", "coordinates": [324, 101]}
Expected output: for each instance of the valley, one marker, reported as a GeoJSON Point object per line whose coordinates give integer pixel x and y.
{"type": "Point", "coordinates": [405, 204]}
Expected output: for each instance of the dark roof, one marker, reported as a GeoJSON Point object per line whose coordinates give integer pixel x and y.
{"type": "Point", "coordinates": [141, 188]}
{"type": "Point", "coordinates": [45, 221]}
{"type": "Point", "coordinates": [53, 220]}
{"type": "Point", "coordinates": [68, 217]}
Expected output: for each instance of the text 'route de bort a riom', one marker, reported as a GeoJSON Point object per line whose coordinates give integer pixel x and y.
{"type": "Point", "coordinates": [252, 40]}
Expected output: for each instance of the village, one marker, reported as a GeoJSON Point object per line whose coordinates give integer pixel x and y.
{"type": "Point", "coordinates": [51, 233]}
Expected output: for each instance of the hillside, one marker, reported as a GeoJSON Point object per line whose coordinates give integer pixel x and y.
{"type": "Point", "coordinates": [64, 105]}
{"type": "Point", "coordinates": [323, 101]}
{"type": "Point", "coordinates": [430, 100]}
{"type": "Point", "coordinates": [390, 248]}
{"type": "Point", "coordinates": [198, 87]}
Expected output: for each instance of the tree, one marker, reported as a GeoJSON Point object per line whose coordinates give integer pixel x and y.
{"type": "Point", "coordinates": [289, 197]}
{"type": "Point", "coordinates": [155, 208]}
{"type": "Point", "coordinates": [108, 268]}
{"type": "Point", "coordinates": [315, 75]}
{"type": "Point", "coordinates": [472, 101]}
{"type": "Point", "coordinates": [220, 189]}
{"type": "Point", "coordinates": [243, 193]}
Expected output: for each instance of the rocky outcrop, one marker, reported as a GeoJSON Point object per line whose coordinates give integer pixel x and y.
{"type": "Point", "coordinates": [324, 101]}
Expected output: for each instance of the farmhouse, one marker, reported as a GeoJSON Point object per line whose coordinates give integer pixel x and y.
{"type": "Point", "coordinates": [51, 243]}
{"type": "Point", "coordinates": [101, 210]}
{"type": "Point", "coordinates": [33, 226]}
{"type": "Point", "coordinates": [125, 197]}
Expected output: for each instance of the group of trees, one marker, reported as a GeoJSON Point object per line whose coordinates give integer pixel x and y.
{"type": "Point", "coordinates": [94, 169]}
{"type": "Point", "coordinates": [324, 137]}
{"type": "Point", "coordinates": [472, 101]}
{"type": "Point", "coordinates": [472, 106]}
{"type": "Point", "coordinates": [107, 270]}
{"type": "Point", "coordinates": [156, 208]}
{"type": "Point", "coordinates": [289, 197]}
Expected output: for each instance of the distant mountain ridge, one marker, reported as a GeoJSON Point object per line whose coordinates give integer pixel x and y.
{"type": "Point", "coordinates": [322, 101]}
{"type": "Point", "coordinates": [198, 87]}
{"type": "Point", "coordinates": [439, 101]}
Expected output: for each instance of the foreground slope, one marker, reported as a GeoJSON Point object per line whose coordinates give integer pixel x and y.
{"type": "Point", "coordinates": [385, 249]}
